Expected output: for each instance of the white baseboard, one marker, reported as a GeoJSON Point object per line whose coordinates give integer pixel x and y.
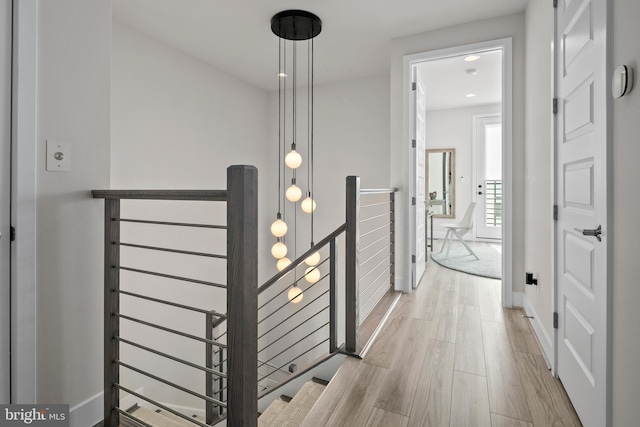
{"type": "Point", "coordinates": [87, 413]}
{"type": "Point", "coordinates": [517, 299]}
{"type": "Point", "coordinates": [541, 334]}
{"type": "Point", "coordinates": [91, 411]}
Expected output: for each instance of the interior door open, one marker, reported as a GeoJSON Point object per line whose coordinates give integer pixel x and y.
{"type": "Point", "coordinates": [418, 208]}
{"type": "Point", "coordinates": [582, 199]}
{"type": "Point", "coordinates": [5, 199]}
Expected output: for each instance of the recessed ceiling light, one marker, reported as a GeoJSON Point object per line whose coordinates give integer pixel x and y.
{"type": "Point", "coordinates": [472, 71]}
{"type": "Point", "coordinates": [470, 95]}
{"type": "Point", "coordinates": [281, 74]}
{"type": "Point", "coordinates": [471, 58]}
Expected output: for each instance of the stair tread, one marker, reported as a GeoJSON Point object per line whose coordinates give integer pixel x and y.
{"type": "Point", "coordinates": [158, 419]}
{"type": "Point", "coordinates": [272, 412]}
{"type": "Point", "coordinates": [178, 419]}
{"type": "Point", "coordinates": [295, 412]}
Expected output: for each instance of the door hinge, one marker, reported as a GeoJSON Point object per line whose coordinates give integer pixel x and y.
{"type": "Point", "coordinates": [413, 143]}
{"type": "Point", "coordinates": [555, 4]}
{"type": "Point", "coordinates": [12, 234]}
{"type": "Point", "coordinates": [555, 212]}
{"type": "Point", "coordinates": [413, 86]}
{"type": "Point", "coordinates": [555, 105]}
{"type": "Point", "coordinates": [555, 320]}
{"type": "Point", "coordinates": [413, 201]}
{"type": "Point", "coordinates": [413, 259]}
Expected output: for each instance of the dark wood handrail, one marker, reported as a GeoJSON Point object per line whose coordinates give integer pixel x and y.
{"type": "Point", "coordinates": [200, 195]}
{"type": "Point", "coordinates": [322, 243]}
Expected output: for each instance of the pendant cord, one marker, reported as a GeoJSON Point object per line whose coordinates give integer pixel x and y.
{"type": "Point", "coordinates": [311, 163]}
{"type": "Point", "coordinates": [279, 125]}
{"type": "Point", "coordinates": [284, 128]}
{"type": "Point", "coordinates": [295, 77]}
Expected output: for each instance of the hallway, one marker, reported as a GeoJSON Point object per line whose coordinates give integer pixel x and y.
{"type": "Point", "coordinates": [449, 355]}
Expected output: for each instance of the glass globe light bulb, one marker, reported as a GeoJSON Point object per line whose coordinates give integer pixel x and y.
{"type": "Point", "coordinates": [313, 259]}
{"type": "Point", "coordinates": [279, 250]}
{"type": "Point", "coordinates": [279, 228]}
{"type": "Point", "coordinates": [293, 159]}
{"type": "Point", "coordinates": [312, 274]}
{"type": "Point", "coordinates": [295, 295]}
{"type": "Point", "coordinates": [308, 205]}
{"type": "Point", "coordinates": [293, 193]}
{"type": "Point", "coordinates": [283, 263]}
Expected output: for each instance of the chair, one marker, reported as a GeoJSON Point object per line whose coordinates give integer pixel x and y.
{"type": "Point", "coordinates": [459, 230]}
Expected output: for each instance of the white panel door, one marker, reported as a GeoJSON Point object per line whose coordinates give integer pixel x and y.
{"type": "Point", "coordinates": [488, 158]}
{"type": "Point", "coordinates": [419, 191]}
{"type": "Point", "coordinates": [5, 192]}
{"type": "Point", "coordinates": [582, 197]}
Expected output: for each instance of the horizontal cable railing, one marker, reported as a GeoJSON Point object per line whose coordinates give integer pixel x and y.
{"type": "Point", "coordinates": [297, 315]}
{"type": "Point", "coordinates": [200, 309]}
{"type": "Point", "coordinates": [493, 203]}
{"type": "Point", "coordinates": [155, 313]}
{"type": "Point", "coordinates": [370, 251]}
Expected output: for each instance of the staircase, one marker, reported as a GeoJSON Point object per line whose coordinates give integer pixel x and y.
{"type": "Point", "coordinates": [262, 326]}
{"type": "Point", "coordinates": [291, 412]}
{"type": "Point", "coordinates": [157, 418]}
{"type": "Point", "coordinates": [283, 412]}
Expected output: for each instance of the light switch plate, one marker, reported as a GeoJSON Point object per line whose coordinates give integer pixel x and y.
{"type": "Point", "coordinates": [58, 156]}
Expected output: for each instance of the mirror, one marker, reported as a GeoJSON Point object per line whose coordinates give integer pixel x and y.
{"type": "Point", "coordinates": [440, 173]}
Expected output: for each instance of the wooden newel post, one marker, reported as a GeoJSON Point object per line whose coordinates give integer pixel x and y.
{"type": "Point", "coordinates": [208, 361]}
{"type": "Point", "coordinates": [333, 296]}
{"type": "Point", "coordinates": [352, 266]}
{"type": "Point", "coordinates": [392, 240]}
{"type": "Point", "coordinates": [242, 295]}
{"type": "Point", "coordinates": [111, 307]}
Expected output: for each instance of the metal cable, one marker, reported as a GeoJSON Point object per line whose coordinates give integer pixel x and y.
{"type": "Point", "coordinates": [289, 331]}
{"type": "Point", "coordinates": [177, 224]}
{"type": "Point", "coordinates": [169, 276]}
{"type": "Point", "coordinates": [177, 251]}
{"type": "Point", "coordinates": [293, 345]}
{"type": "Point", "coordinates": [300, 355]}
{"type": "Point", "coordinates": [288, 302]}
{"type": "Point", "coordinates": [173, 331]}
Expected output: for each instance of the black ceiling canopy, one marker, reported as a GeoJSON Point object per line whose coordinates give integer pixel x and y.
{"type": "Point", "coordinates": [296, 25]}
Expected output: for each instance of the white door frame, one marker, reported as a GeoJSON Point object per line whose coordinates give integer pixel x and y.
{"type": "Point", "coordinates": [409, 61]}
{"type": "Point", "coordinates": [23, 203]}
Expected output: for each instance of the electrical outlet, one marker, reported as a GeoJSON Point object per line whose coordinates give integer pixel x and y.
{"type": "Point", "coordinates": [58, 156]}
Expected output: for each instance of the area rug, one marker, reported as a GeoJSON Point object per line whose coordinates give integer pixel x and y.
{"type": "Point", "coordinates": [489, 264]}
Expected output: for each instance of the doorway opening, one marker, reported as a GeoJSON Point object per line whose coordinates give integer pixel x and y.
{"type": "Point", "coordinates": [430, 73]}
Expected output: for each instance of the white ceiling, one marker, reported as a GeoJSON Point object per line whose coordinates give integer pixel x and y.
{"type": "Point", "coordinates": [235, 35]}
{"type": "Point", "coordinates": [447, 81]}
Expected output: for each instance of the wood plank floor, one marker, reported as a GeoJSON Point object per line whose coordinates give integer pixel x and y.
{"type": "Point", "coordinates": [449, 355]}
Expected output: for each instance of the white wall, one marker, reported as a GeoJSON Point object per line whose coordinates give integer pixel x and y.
{"type": "Point", "coordinates": [73, 92]}
{"type": "Point", "coordinates": [538, 220]}
{"type": "Point", "coordinates": [626, 175]}
{"type": "Point", "coordinates": [178, 123]}
{"type": "Point", "coordinates": [490, 29]}
{"type": "Point", "coordinates": [453, 128]}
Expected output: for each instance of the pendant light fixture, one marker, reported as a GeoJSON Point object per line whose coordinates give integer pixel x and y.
{"type": "Point", "coordinates": [296, 30]}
